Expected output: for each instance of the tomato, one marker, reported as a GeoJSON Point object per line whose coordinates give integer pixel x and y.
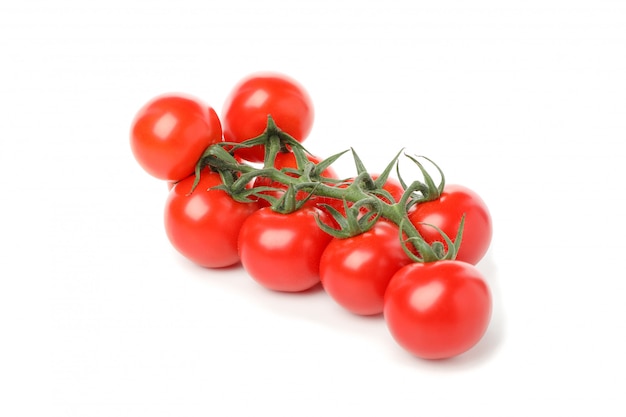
{"type": "Point", "coordinates": [355, 271]}
{"type": "Point", "coordinates": [288, 160]}
{"type": "Point", "coordinates": [248, 105]}
{"type": "Point", "coordinates": [446, 213]}
{"type": "Point", "coordinates": [282, 251]}
{"type": "Point", "coordinates": [437, 310]}
{"type": "Point", "coordinates": [204, 226]}
{"type": "Point", "coordinates": [169, 134]}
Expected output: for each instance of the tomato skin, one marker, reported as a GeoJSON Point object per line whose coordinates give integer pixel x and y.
{"type": "Point", "coordinates": [437, 310]}
{"type": "Point", "coordinates": [204, 226]}
{"type": "Point", "coordinates": [355, 271]}
{"type": "Point", "coordinates": [169, 134]}
{"type": "Point", "coordinates": [446, 213]}
{"type": "Point", "coordinates": [282, 251]}
{"type": "Point", "coordinates": [246, 108]}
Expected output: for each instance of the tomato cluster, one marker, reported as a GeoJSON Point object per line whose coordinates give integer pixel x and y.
{"type": "Point", "coordinates": [243, 190]}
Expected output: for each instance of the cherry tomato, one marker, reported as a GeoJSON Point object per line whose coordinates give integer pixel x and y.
{"type": "Point", "coordinates": [245, 111]}
{"type": "Point", "coordinates": [204, 226]}
{"type": "Point", "coordinates": [282, 251]}
{"type": "Point", "coordinates": [446, 213]}
{"type": "Point", "coordinates": [288, 160]}
{"type": "Point", "coordinates": [437, 310]}
{"type": "Point", "coordinates": [356, 271]}
{"type": "Point", "coordinates": [169, 134]}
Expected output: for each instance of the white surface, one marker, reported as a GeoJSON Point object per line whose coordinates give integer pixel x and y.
{"type": "Point", "coordinates": [523, 101]}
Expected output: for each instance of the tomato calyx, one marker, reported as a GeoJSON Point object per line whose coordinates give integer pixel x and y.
{"type": "Point", "coordinates": [421, 192]}
{"type": "Point", "coordinates": [435, 251]}
{"type": "Point", "coordinates": [356, 218]}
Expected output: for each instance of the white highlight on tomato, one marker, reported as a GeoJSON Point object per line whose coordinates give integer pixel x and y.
{"type": "Point", "coordinates": [425, 296]}
{"type": "Point", "coordinates": [165, 125]}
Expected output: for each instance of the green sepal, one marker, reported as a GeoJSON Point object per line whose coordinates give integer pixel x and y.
{"type": "Point", "coordinates": [384, 176]}
{"type": "Point", "coordinates": [290, 143]}
{"type": "Point", "coordinates": [437, 251]}
{"type": "Point", "coordinates": [363, 176]}
{"type": "Point", "coordinates": [342, 222]}
{"type": "Point", "coordinates": [432, 191]}
{"type": "Point", "coordinates": [408, 197]}
{"type": "Point", "coordinates": [288, 203]}
{"type": "Point", "coordinates": [301, 156]}
{"type": "Point", "coordinates": [458, 239]}
{"type": "Point", "coordinates": [365, 221]}
{"type": "Point", "coordinates": [354, 222]}
{"type": "Point", "coordinates": [255, 194]}
{"type": "Point", "coordinates": [323, 165]}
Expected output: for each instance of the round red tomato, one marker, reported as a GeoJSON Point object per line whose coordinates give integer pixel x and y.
{"type": "Point", "coordinates": [204, 225]}
{"type": "Point", "coordinates": [288, 160]}
{"type": "Point", "coordinates": [437, 310]}
{"type": "Point", "coordinates": [355, 271]}
{"type": "Point", "coordinates": [245, 111]}
{"type": "Point", "coordinates": [446, 213]}
{"type": "Point", "coordinates": [169, 134]}
{"type": "Point", "coordinates": [282, 251]}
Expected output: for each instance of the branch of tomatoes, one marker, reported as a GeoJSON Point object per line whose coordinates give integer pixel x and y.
{"type": "Point", "coordinates": [275, 214]}
{"type": "Point", "coordinates": [362, 200]}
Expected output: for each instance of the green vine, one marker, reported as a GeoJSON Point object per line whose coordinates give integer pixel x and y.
{"type": "Point", "coordinates": [364, 200]}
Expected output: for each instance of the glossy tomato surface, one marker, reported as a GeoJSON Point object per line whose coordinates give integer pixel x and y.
{"type": "Point", "coordinates": [204, 226]}
{"type": "Point", "coordinates": [355, 271]}
{"type": "Point", "coordinates": [169, 134]}
{"type": "Point", "coordinates": [446, 213]}
{"type": "Point", "coordinates": [437, 310]}
{"type": "Point", "coordinates": [282, 251]}
{"type": "Point", "coordinates": [245, 111]}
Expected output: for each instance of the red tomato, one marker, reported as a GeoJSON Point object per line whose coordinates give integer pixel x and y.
{"type": "Point", "coordinates": [282, 251]}
{"type": "Point", "coordinates": [204, 226]}
{"type": "Point", "coordinates": [356, 271]}
{"type": "Point", "coordinates": [246, 109]}
{"type": "Point", "coordinates": [288, 160]}
{"type": "Point", "coordinates": [437, 310]}
{"type": "Point", "coordinates": [169, 134]}
{"type": "Point", "coordinates": [446, 213]}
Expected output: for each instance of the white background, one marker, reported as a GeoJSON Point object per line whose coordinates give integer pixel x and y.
{"type": "Point", "coordinates": [523, 101]}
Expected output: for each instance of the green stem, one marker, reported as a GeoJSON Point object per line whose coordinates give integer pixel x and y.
{"type": "Point", "coordinates": [306, 179]}
{"type": "Point", "coordinates": [394, 212]}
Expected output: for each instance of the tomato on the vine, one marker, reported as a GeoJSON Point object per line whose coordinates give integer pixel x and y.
{"type": "Point", "coordinates": [355, 271]}
{"type": "Point", "coordinates": [437, 310]}
{"type": "Point", "coordinates": [204, 225]}
{"type": "Point", "coordinates": [446, 213]}
{"type": "Point", "coordinates": [282, 251]}
{"type": "Point", "coordinates": [252, 100]}
{"type": "Point", "coordinates": [169, 134]}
